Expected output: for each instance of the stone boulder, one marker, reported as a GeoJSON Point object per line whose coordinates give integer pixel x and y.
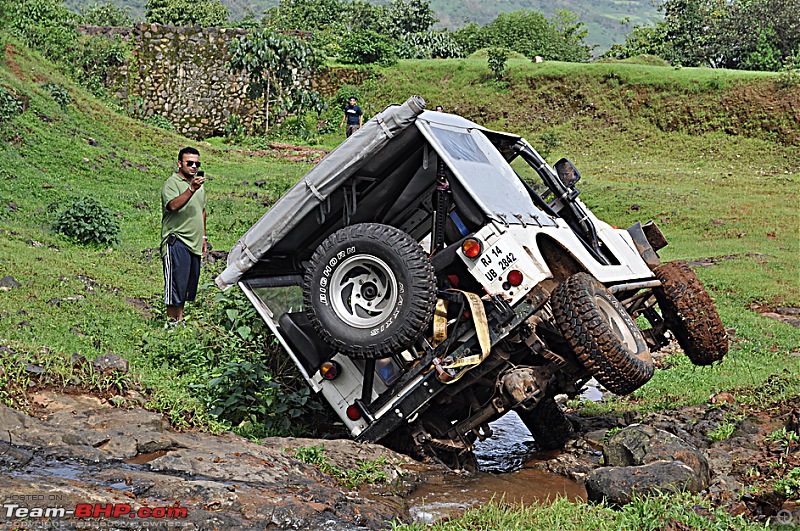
{"type": "Point", "coordinates": [643, 459]}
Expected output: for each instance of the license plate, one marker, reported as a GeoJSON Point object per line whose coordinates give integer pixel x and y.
{"type": "Point", "coordinates": [495, 261]}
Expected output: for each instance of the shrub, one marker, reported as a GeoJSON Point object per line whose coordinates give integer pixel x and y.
{"type": "Point", "coordinates": [368, 47]}
{"type": "Point", "coordinates": [497, 62]}
{"type": "Point", "coordinates": [86, 221]}
{"type": "Point", "coordinates": [9, 106]}
{"type": "Point", "coordinates": [58, 93]}
{"type": "Point", "coordinates": [157, 120]}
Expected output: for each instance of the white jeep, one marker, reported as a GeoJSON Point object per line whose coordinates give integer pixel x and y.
{"type": "Point", "coordinates": [425, 288]}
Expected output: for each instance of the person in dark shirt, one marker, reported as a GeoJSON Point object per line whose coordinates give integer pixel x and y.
{"type": "Point", "coordinates": [353, 116]}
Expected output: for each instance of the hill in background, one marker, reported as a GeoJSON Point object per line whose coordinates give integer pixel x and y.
{"type": "Point", "coordinates": [604, 19]}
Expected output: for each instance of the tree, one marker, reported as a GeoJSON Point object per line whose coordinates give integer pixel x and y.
{"type": "Point", "coordinates": [107, 14]}
{"type": "Point", "coordinates": [749, 34]}
{"type": "Point", "coordinates": [272, 63]}
{"type": "Point", "coordinates": [205, 13]}
{"type": "Point", "coordinates": [366, 47]}
{"type": "Point", "coordinates": [531, 34]}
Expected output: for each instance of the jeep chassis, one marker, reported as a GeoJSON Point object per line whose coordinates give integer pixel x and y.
{"type": "Point", "coordinates": [425, 289]}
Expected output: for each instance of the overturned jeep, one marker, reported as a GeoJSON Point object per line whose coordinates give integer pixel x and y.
{"type": "Point", "coordinates": [429, 276]}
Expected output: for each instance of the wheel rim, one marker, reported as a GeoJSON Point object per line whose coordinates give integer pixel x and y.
{"type": "Point", "coordinates": [619, 326]}
{"type": "Point", "coordinates": [364, 291]}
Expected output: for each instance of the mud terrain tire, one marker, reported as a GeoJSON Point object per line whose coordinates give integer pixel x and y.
{"type": "Point", "coordinates": [551, 429]}
{"type": "Point", "coordinates": [690, 314]}
{"type": "Point", "coordinates": [602, 334]}
{"type": "Point", "coordinates": [369, 290]}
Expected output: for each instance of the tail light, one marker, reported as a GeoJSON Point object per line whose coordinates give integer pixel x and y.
{"type": "Point", "coordinates": [515, 277]}
{"type": "Point", "coordinates": [329, 370]}
{"type": "Point", "coordinates": [353, 413]}
{"type": "Point", "coordinates": [471, 247]}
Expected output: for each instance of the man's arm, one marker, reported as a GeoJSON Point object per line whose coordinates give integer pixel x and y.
{"type": "Point", "coordinates": [180, 201]}
{"type": "Point", "coordinates": [205, 238]}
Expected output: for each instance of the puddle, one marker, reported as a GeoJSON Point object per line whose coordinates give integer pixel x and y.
{"type": "Point", "coordinates": [501, 459]}
{"type": "Point", "coordinates": [143, 459]}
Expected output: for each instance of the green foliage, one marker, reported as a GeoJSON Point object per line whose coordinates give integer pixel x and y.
{"type": "Point", "coordinates": [204, 13]}
{"type": "Point", "coordinates": [742, 34]}
{"type": "Point", "coordinates": [107, 14]}
{"type": "Point", "coordinates": [678, 510]}
{"type": "Point", "coordinates": [157, 120]}
{"type": "Point", "coordinates": [497, 62]}
{"type": "Point", "coordinates": [789, 486]}
{"type": "Point", "coordinates": [368, 47]}
{"type": "Point", "coordinates": [529, 33]}
{"type": "Point", "coordinates": [429, 45]}
{"type": "Point", "coordinates": [58, 93]}
{"type": "Point", "coordinates": [723, 431]}
{"type": "Point", "coordinates": [86, 221]}
{"type": "Point", "coordinates": [234, 130]}
{"type": "Point", "coordinates": [93, 57]}
{"type": "Point", "coordinates": [367, 471]}
{"type": "Point", "coordinates": [783, 437]}
{"type": "Point", "coordinates": [44, 25]}
{"type": "Point", "coordinates": [549, 141]}
{"type": "Point", "coordinates": [10, 106]}
{"type": "Point", "coordinates": [270, 60]}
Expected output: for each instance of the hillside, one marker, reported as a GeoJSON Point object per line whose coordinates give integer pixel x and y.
{"type": "Point", "coordinates": [603, 18]}
{"type": "Point", "coordinates": [712, 156]}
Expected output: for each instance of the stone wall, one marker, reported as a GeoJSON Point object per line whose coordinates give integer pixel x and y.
{"type": "Point", "coordinates": [180, 73]}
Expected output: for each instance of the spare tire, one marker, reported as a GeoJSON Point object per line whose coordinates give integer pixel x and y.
{"type": "Point", "coordinates": [369, 290]}
{"type": "Point", "coordinates": [690, 314]}
{"type": "Point", "coordinates": [602, 334]}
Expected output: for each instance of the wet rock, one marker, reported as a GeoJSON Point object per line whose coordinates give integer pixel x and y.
{"type": "Point", "coordinates": [616, 485]}
{"type": "Point", "coordinates": [640, 444]}
{"type": "Point", "coordinates": [644, 459]}
{"type": "Point", "coordinates": [224, 481]}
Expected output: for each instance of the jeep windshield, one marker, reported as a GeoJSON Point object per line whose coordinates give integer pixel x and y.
{"type": "Point", "coordinates": [482, 171]}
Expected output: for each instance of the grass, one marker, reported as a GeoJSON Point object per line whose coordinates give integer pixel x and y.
{"type": "Point", "coordinates": [671, 511]}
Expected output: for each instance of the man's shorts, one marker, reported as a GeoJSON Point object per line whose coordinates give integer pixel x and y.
{"type": "Point", "coordinates": [351, 128]}
{"type": "Point", "coordinates": [181, 274]}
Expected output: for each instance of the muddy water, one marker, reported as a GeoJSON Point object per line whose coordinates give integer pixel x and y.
{"type": "Point", "coordinates": [504, 461]}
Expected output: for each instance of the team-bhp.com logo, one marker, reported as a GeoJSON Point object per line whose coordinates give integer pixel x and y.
{"type": "Point", "coordinates": [94, 510]}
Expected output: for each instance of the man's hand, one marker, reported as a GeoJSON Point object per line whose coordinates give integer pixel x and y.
{"type": "Point", "coordinates": [196, 182]}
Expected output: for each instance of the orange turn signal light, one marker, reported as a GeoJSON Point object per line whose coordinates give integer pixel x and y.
{"type": "Point", "coordinates": [471, 247]}
{"type": "Point", "coordinates": [329, 370]}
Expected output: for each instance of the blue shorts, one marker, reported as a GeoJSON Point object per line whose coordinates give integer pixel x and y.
{"type": "Point", "coordinates": [181, 274]}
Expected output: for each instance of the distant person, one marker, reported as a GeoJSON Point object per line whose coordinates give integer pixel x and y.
{"type": "Point", "coordinates": [439, 108]}
{"type": "Point", "coordinates": [353, 116]}
{"type": "Point", "coordinates": [183, 233]}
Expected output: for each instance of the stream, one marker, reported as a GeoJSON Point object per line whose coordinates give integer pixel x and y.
{"type": "Point", "coordinates": [505, 462]}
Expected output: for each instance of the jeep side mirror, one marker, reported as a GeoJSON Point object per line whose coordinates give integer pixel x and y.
{"type": "Point", "coordinates": [568, 173]}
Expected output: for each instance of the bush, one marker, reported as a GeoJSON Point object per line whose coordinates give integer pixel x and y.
{"type": "Point", "coordinates": [86, 221]}
{"type": "Point", "coordinates": [9, 106]}
{"type": "Point", "coordinates": [497, 62]}
{"type": "Point", "coordinates": [58, 93]}
{"type": "Point", "coordinates": [368, 47]}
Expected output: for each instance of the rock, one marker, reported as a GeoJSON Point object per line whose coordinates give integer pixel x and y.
{"type": "Point", "coordinates": [9, 282]}
{"type": "Point", "coordinates": [616, 485]}
{"type": "Point", "coordinates": [640, 444]}
{"type": "Point", "coordinates": [642, 459]}
{"type": "Point", "coordinates": [110, 362]}
{"type": "Point", "coordinates": [225, 481]}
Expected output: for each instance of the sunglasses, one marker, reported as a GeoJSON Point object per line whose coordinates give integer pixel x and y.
{"type": "Point", "coordinates": [192, 163]}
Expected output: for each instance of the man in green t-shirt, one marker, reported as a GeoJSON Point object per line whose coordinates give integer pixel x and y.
{"type": "Point", "coordinates": [183, 232]}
